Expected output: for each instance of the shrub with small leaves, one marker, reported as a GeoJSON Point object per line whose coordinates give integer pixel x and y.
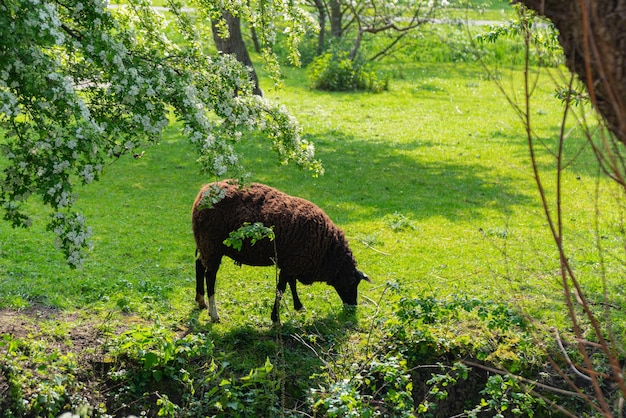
{"type": "Point", "coordinates": [40, 379]}
{"type": "Point", "coordinates": [186, 378]}
{"type": "Point", "coordinates": [383, 387]}
{"type": "Point", "coordinates": [506, 397]}
{"type": "Point", "coordinates": [335, 71]}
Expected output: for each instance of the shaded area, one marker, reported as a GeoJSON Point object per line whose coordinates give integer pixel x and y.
{"type": "Point", "coordinates": [395, 176]}
{"type": "Point", "coordinates": [106, 361]}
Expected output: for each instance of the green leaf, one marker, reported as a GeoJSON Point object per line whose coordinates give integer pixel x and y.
{"type": "Point", "coordinates": [150, 359]}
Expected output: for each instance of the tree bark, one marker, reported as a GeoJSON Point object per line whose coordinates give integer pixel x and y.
{"type": "Point", "coordinates": [336, 18]}
{"type": "Point", "coordinates": [593, 36]}
{"type": "Point", "coordinates": [321, 18]}
{"type": "Point", "coordinates": [235, 45]}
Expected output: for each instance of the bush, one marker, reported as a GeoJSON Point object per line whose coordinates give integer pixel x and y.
{"type": "Point", "coordinates": [373, 387]}
{"type": "Point", "coordinates": [335, 71]}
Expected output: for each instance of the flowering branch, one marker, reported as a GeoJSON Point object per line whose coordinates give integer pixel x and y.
{"type": "Point", "coordinates": [81, 83]}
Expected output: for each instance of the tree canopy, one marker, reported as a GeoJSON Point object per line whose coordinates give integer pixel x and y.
{"type": "Point", "coordinates": [82, 83]}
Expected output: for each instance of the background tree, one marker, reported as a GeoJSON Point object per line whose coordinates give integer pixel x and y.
{"type": "Point", "coordinates": [593, 40]}
{"type": "Point", "coordinates": [356, 22]}
{"type": "Point", "coordinates": [227, 34]}
{"type": "Point", "coordinates": [333, 12]}
{"type": "Point", "coordinates": [81, 84]}
{"type": "Point", "coordinates": [229, 40]}
{"type": "Point", "coordinates": [394, 19]}
{"type": "Point", "coordinates": [363, 31]}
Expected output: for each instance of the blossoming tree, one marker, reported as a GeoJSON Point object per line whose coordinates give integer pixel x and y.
{"type": "Point", "coordinates": [82, 83]}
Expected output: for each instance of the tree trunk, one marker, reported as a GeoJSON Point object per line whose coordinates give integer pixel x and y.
{"type": "Point", "coordinates": [255, 40]}
{"type": "Point", "coordinates": [235, 45]}
{"type": "Point", "coordinates": [593, 37]}
{"type": "Point", "coordinates": [336, 18]}
{"type": "Point", "coordinates": [321, 18]}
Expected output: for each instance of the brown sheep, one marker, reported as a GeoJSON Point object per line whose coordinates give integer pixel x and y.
{"type": "Point", "coordinates": [308, 246]}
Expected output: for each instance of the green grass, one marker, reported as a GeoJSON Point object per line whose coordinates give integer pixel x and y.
{"type": "Point", "coordinates": [442, 153]}
{"type": "Point", "coordinates": [442, 148]}
{"type": "Point", "coordinates": [430, 150]}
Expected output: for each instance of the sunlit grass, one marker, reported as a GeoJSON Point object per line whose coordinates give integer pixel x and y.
{"type": "Point", "coordinates": [442, 149]}
{"type": "Point", "coordinates": [431, 181]}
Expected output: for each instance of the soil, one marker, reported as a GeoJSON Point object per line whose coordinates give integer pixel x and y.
{"type": "Point", "coordinates": [63, 332]}
{"type": "Point", "coordinates": [27, 322]}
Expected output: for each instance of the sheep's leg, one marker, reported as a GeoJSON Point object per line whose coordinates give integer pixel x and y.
{"type": "Point", "coordinates": [211, 275]}
{"type": "Point", "coordinates": [200, 273]}
{"type": "Point", "coordinates": [297, 305]}
{"type": "Point", "coordinates": [280, 290]}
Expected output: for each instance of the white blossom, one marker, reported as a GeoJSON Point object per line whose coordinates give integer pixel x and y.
{"type": "Point", "coordinates": [59, 167]}
{"type": "Point", "coordinates": [131, 82]}
{"type": "Point", "coordinates": [88, 173]}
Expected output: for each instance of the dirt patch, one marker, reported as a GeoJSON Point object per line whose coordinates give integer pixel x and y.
{"type": "Point", "coordinates": [21, 323]}
{"type": "Point", "coordinates": [62, 330]}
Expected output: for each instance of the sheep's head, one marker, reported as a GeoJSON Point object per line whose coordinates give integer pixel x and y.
{"type": "Point", "coordinates": [346, 286]}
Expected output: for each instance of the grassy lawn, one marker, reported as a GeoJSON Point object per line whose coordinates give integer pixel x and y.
{"type": "Point", "coordinates": [431, 181]}
{"type": "Point", "coordinates": [441, 154]}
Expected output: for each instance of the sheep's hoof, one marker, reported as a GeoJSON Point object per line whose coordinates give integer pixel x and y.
{"type": "Point", "coordinates": [215, 319]}
{"type": "Point", "coordinates": [300, 308]}
{"type": "Point", "coordinates": [201, 302]}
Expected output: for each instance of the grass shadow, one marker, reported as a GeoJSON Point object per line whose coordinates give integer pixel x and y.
{"type": "Point", "coordinates": [367, 179]}
{"type": "Point", "coordinates": [297, 348]}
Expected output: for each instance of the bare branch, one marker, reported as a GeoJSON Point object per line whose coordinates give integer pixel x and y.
{"type": "Point", "coordinates": [523, 379]}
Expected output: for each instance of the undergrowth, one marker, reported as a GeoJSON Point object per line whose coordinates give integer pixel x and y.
{"type": "Point", "coordinates": [429, 358]}
{"type": "Point", "coordinates": [335, 71]}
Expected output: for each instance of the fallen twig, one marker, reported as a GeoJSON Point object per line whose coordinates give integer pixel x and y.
{"type": "Point", "coordinates": [374, 249]}
{"type": "Point", "coordinates": [524, 380]}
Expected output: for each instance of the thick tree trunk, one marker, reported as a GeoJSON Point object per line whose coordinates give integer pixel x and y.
{"type": "Point", "coordinates": [593, 36]}
{"type": "Point", "coordinates": [235, 45]}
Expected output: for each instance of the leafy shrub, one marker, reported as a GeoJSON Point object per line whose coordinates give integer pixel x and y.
{"type": "Point", "coordinates": [427, 328]}
{"type": "Point", "coordinates": [504, 395]}
{"type": "Point", "coordinates": [158, 373]}
{"type": "Point", "coordinates": [335, 71]}
{"type": "Point", "coordinates": [41, 380]}
{"type": "Point", "coordinates": [416, 368]}
{"type": "Point", "coordinates": [381, 388]}
{"type": "Point", "coordinates": [228, 396]}
{"type": "Point", "coordinates": [436, 331]}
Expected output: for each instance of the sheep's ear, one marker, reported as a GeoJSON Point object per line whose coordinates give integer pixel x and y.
{"type": "Point", "coordinates": [363, 276]}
